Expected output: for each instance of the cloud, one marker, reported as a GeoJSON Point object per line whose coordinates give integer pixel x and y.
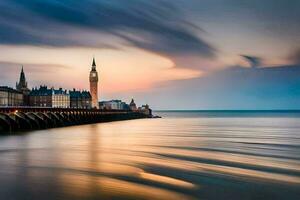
{"type": "Point", "coordinates": [231, 88]}
{"type": "Point", "coordinates": [10, 72]}
{"type": "Point", "coordinates": [253, 60]}
{"type": "Point", "coordinates": [156, 26]}
{"type": "Point", "coordinates": [295, 56]}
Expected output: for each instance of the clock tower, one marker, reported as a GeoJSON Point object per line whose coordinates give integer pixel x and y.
{"type": "Point", "coordinates": [94, 85]}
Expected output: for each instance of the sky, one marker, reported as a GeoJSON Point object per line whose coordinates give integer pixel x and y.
{"type": "Point", "coordinates": [179, 54]}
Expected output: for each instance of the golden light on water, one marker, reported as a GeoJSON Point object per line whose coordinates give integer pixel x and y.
{"type": "Point", "coordinates": [166, 180]}
{"type": "Point", "coordinates": [158, 159]}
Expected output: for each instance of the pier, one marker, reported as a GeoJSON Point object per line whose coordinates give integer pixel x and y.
{"type": "Point", "coordinates": [14, 119]}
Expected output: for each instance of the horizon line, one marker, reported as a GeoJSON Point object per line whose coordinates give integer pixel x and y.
{"type": "Point", "coordinates": [223, 110]}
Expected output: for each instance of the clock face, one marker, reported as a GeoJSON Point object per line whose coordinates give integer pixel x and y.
{"type": "Point", "coordinates": [93, 74]}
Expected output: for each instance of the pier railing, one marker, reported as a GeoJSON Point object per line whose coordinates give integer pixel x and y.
{"type": "Point", "coordinates": [32, 118]}
{"type": "Point", "coordinates": [50, 109]}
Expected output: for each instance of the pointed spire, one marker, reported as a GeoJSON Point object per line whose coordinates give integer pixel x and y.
{"type": "Point", "coordinates": [94, 62]}
{"type": "Point", "coordinates": [22, 75]}
{"type": "Point", "coordinates": [22, 81]}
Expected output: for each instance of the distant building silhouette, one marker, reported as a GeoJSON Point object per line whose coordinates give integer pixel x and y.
{"type": "Point", "coordinates": [145, 109]}
{"type": "Point", "coordinates": [114, 105]}
{"type": "Point", "coordinates": [132, 105]}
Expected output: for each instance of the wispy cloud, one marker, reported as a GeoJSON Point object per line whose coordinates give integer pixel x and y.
{"type": "Point", "coordinates": [157, 25]}
{"type": "Point", "coordinates": [254, 61]}
{"type": "Point", "coordinates": [232, 88]}
{"type": "Point", "coordinates": [10, 71]}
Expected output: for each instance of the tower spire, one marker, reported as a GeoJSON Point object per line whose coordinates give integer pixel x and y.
{"type": "Point", "coordinates": [22, 81]}
{"type": "Point", "coordinates": [94, 64]}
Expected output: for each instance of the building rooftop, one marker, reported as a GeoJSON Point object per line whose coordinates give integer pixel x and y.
{"type": "Point", "coordinates": [45, 91]}
{"type": "Point", "coordinates": [77, 94]}
{"type": "Point", "coordinates": [8, 89]}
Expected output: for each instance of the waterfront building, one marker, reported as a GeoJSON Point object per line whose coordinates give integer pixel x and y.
{"type": "Point", "coordinates": [125, 106]}
{"type": "Point", "coordinates": [49, 97]}
{"type": "Point", "coordinates": [86, 99]}
{"type": "Point", "coordinates": [145, 109]}
{"type": "Point", "coordinates": [132, 105]}
{"type": "Point", "coordinates": [60, 98]}
{"type": "Point", "coordinates": [41, 97]}
{"type": "Point", "coordinates": [113, 105]}
{"type": "Point", "coordinates": [10, 97]}
{"type": "Point", "coordinates": [94, 85]}
{"type": "Point", "coordinates": [22, 87]}
{"type": "Point", "coordinates": [80, 99]}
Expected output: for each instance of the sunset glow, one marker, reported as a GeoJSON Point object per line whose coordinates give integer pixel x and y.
{"type": "Point", "coordinates": [144, 47]}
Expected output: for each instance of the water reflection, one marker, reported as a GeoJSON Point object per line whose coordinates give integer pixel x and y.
{"type": "Point", "coordinates": [169, 158]}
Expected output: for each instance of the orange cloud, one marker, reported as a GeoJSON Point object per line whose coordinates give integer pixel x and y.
{"type": "Point", "coordinates": [119, 70]}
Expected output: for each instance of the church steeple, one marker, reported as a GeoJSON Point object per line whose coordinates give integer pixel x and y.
{"type": "Point", "coordinates": [22, 81]}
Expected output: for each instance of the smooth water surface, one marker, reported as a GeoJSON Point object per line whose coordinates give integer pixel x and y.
{"type": "Point", "coordinates": [184, 155]}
